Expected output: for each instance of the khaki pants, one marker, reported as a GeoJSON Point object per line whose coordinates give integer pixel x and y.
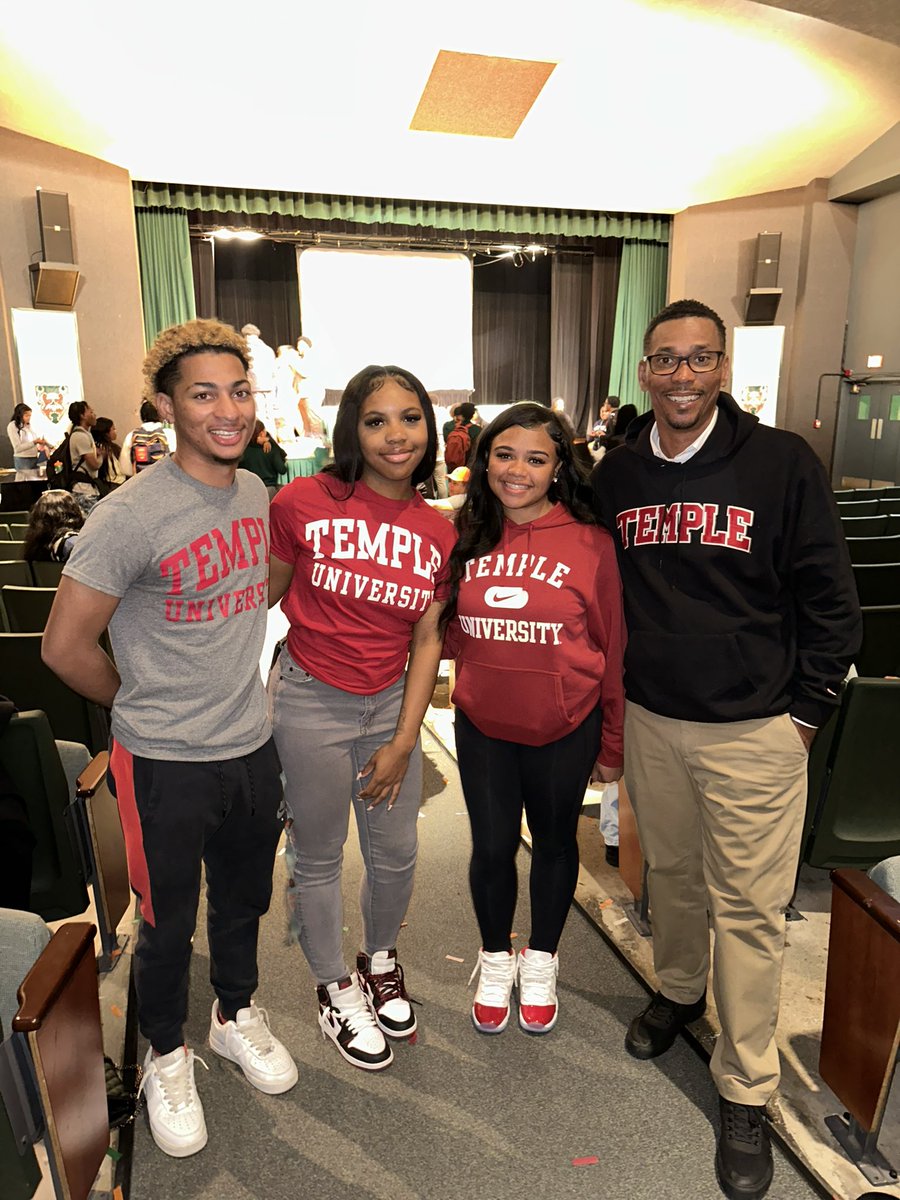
{"type": "Point", "coordinates": [720, 811]}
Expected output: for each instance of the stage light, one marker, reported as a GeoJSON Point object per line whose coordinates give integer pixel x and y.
{"type": "Point", "coordinates": [237, 235]}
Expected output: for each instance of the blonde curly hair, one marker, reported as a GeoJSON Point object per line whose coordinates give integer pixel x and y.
{"type": "Point", "coordinates": [161, 366]}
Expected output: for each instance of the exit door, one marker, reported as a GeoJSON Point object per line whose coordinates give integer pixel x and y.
{"type": "Point", "coordinates": [868, 447]}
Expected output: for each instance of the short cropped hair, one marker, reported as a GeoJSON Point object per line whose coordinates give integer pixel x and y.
{"type": "Point", "coordinates": [149, 412]}
{"type": "Point", "coordinates": [162, 366]}
{"type": "Point", "coordinates": [466, 410]}
{"type": "Point", "coordinates": [677, 311]}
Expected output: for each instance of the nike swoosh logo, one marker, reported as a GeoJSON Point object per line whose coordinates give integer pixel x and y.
{"type": "Point", "coordinates": [506, 597]}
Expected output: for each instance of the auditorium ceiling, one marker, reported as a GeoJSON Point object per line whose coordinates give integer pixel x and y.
{"type": "Point", "coordinates": [635, 105]}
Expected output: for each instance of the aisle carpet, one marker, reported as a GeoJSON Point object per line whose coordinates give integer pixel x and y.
{"type": "Point", "coordinates": [457, 1115]}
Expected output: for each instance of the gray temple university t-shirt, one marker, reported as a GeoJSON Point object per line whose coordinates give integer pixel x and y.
{"type": "Point", "coordinates": [190, 563]}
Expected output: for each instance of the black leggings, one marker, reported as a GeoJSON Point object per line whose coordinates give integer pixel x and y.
{"type": "Point", "coordinates": [498, 779]}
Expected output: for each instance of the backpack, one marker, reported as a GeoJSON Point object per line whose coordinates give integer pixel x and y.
{"type": "Point", "coordinates": [147, 447]}
{"type": "Point", "coordinates": [457, 447]}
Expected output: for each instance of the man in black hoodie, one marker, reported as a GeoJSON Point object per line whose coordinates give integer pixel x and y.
{"type": "Point", "coordinates": [742, 622]}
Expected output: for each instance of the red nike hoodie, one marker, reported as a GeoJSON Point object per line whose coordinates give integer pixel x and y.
{"type": "Point", "coordinates": [540, 636]}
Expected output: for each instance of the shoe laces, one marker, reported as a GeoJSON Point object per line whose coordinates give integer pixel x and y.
{"type": "Point", "coordinates": [538, 979]}
{"type": "Point", "coordinates": [743, 1123]}
{"type": "Point", "coordinates": [496, 980]}
{"type": "Point", "coordinates": [257, 1034]}
{"type": "Point", "coordinates": [662, 1012]}
{"type": "Point", "coordinates": [389, 985]}
{"type": "Point", "coordinates": [176, 1087]}
{"type": "Point", "coordinates": [355, 1014]}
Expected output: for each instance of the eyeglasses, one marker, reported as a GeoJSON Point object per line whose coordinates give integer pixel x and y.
{"type": "Point", "coordinates": [701, 363]}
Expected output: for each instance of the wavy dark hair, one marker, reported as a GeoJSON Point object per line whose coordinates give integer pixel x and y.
{"type": "Point", "coordinates": [100, 432]}
{"type": "Point", "coordinates": [52, 514]}
{"type": "Point", "coordinates": [348, 459]}
{"type": "Point", "coordinates": [19, 414]}
{"type": "Point", "coordinates": [481, 518]}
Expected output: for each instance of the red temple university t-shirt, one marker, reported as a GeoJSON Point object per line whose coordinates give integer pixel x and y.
{"type": "Point", "coordinates": [365, 570]}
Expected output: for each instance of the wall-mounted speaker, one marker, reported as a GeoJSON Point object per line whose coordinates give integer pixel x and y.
{"type": "Point", "coordinates": [56, 227]}
{"type": "Point", "coordinates": [53, 284]}
{"type": "Point", "coordinates": [768, 252]}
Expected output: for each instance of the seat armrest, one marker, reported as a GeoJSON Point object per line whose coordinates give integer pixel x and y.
{"type": "Point", "coordinates": [52, 971]}
{"type": "Point", "coordinates": [92, 775]}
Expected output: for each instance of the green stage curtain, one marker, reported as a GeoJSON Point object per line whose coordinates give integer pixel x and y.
{"type": "Point", "coordinates": [642, 293]}
{"type": "Point", "coordinates": [167, 284]}
{"type": "Point", "coordinates": [361, 210]}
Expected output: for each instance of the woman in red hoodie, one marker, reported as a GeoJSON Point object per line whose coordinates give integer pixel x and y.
{"type": "Point", "coordinates": [536, 627]}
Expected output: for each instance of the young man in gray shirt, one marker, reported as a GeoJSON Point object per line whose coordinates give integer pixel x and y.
{"type": "Point", "coordinates": [175, 565]}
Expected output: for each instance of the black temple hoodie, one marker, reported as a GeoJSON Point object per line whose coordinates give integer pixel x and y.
{"type": "Point", "coordinates": [739, 595]}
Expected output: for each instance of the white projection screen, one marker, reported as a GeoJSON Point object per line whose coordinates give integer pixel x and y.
{"type": "Point", "coordinates": [372, 306]}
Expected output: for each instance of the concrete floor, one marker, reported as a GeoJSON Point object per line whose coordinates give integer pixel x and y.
{"type": "Point", "coordinates": [803, 1102]}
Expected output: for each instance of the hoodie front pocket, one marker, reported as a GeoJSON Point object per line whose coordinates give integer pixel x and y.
{"type": "Point", "coordinates": [512, 703]}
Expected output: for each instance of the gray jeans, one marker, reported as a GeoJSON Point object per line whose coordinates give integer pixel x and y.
{"type": "Point", "coordinates": [324, 735]}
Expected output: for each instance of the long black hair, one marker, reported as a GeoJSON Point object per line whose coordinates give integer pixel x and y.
{"type": "Point", "coordinates": [481, 518]}
{"type": "Point", "coordinates": [348, 459]}
{"type": "Point", "coordinates": [19, 414]}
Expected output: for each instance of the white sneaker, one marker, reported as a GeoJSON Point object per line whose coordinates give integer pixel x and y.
{"type": "Point", "coordinates": [538, 1008]}
{"type": "Point", "coordinates": [173, 1106]}
{"type": "Point", "coordinates": [490, 1009]}
{"type": "Point", "coordinates": [249, 1042]}
{"type": "Point", "coordinates": [346, 1017]}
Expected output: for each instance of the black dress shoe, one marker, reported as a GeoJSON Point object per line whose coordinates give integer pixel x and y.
{"type": "Point", "coordinates": [612, 856]}
{"type": "Point", "coordinates": [744, 1153]}
{"type": "Point", "coordinates": [653, 1031]}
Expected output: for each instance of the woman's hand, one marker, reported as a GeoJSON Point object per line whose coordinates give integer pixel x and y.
{"type": "Point", "coordinates": [387, 768]}
{"type": "Point", "coordinates": [602, 774]}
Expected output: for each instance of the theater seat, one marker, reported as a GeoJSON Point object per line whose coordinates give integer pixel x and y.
{"type": "Point", "coordinates": [79, 836]}
{"type": "Point", "coordinates": [30, 684]}
{"type": "Point", "coordinates": [853, 809]}
{"type": "Point", "coordinates": [26, 608]}
{"type": "Point", "coordinates": [15, 572]}
{"type": "Point", "coordinates": [880, 651]}
{"type": "Point", "coordinates": [47, 574]}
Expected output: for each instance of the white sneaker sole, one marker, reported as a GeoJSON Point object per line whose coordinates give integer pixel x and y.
{"type": "Point", "coordinates": [537, 1030]}
{"type": "Point", "coordinates": [177, 1149]}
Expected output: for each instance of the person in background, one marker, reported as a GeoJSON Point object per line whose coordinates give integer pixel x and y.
{"type": "Point", "coordinates": [462, 437]}
{"type": "Point", "coordinates": [147, 444]}
{"type": "Point", "coordinates": [192, 761]}
{"type": "Point", "coordinates": [110, 475]}
{"type": "Point", "coordinates": [602, 442]}
{"type": "Point", "coordinates": [53, 525]}
{"type": "Point", "coordinates": [535, 624]}
{"type": "Point", "coordinates": [262, 373]}
{"type": "Point", "coordinates": [743, 620]}
{"type": "Point", "coordinates": [361, 562]}
{"type": "Point", "coordinates": [29, 451]}
{"type": "Point", "coordinates": [606, 421]}
{"type": "Point", "coordinates": [265, 458]}
{"type": "Point", "coordinates": [457, 483]}
{"type": "Point", "coordinates": [85, 456]}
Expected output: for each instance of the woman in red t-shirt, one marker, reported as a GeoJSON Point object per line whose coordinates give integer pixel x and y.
{"type": "Point", "coordinates": [362, 564]}
{"type": "Point", "coordinates": [535, 621]}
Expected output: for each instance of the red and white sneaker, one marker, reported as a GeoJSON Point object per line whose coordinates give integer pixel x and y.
{"type": "Point", "coordinates": [490, 1010]}
{"type": "Point", "coordinates": [538, 1008]}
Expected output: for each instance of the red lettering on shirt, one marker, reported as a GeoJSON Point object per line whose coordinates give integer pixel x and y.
{"type": "Point", "coordinates": [173, 566]}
